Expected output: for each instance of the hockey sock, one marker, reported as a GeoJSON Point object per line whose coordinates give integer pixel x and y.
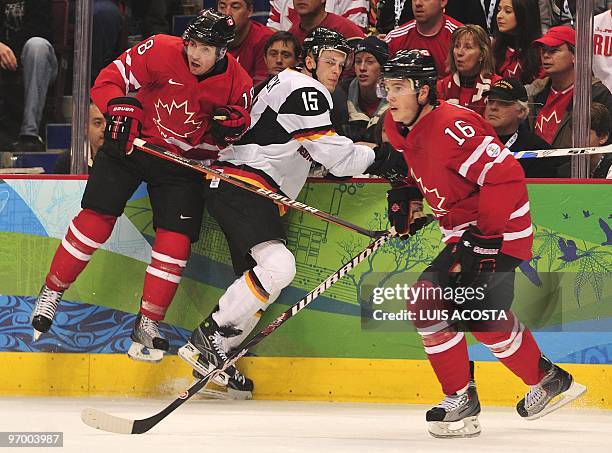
{"type": "Point", "coordinates": [257, 288]}
{"type": "Point", "coordinates": [86, 233]}
{"type": "Point", "coordinates": [515, 347]}
{"type": "Point", "coordinates": [445, 347]}
{"type": "Point", "coordinates": [168, 259]}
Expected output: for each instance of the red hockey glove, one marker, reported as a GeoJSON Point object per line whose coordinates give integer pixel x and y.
{"type": "Point", "coordinates": [405, 210]}
{"type": "Point", "coordinates": [388, 163]}
{"type": "Point", "coordinates": [229, 124]}
{"type": "Point", "coordinates": [475, 258]}
{"type": "Point", "coordinates": [123, 125]}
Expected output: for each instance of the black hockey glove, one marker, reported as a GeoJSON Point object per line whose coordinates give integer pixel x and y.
{"type": "Point", "coordinates": [123, 125]}
{"type": "Point", "coordinates": [388, 163]}
{"type": "Point", "coordinates": [229, 124]}
{"type": "Point", "coordinates": [405, 210]}
{"type": "Point", "coordinates": [475, 258]}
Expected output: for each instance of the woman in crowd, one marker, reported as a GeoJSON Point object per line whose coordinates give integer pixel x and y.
{"type": "Point", "coordinates": [518, 25]}
{"type": "Point", "coordinates": [472, 68]}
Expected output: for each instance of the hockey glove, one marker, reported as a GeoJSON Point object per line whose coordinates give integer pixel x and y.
{"type": "Point", "coordinates": [388, 163]}
{"type": "Point", "coordinates": [475, 258]}
{"type": "Point", "coordinates": [229, 124]}
{"type": "Point", "coordinates": [405, 211]}
{"type": "Point", "coordinates": [123, 125]}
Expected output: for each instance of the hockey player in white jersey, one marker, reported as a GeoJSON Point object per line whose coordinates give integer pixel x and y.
{"type": "Point", "coordinates": [290, 128]}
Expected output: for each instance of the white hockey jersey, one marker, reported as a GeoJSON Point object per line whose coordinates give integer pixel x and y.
{"type": "Point", "coordinates": [291, 128]}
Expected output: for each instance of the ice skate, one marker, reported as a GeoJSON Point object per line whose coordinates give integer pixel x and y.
{"type": "Point", "coordinates": [555, 390]}
{"type": "Point", "coordinates": [206, 351]}
{"type": "Point", "coordinates": [44, 311]}
{"type": "Point", "coordinates": [457, 414]}
{"type": "Point", "coordinates": [148, 344]}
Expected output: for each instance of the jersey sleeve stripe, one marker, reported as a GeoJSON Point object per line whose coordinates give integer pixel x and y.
{"type": "Point", "coordinates": [121, 69]}
{"type": "Point", "coordinates": [483, 174]}
{"type": "Point", "coordinates": [520, 212]}
{"type": "Point", "coordinates": [293, 123]}
{"type": "Point", "coordinates": [465, 166]}
{"type": "Point", "coordinates": [518, 234]}
{"type": "Point", "coordinates": [314, 135]}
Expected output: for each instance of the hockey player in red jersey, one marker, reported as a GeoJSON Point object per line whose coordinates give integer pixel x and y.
{"type": "Point", "coordinates": [181, 85]}
{"type": "Point", "coordinates": [477, 191]}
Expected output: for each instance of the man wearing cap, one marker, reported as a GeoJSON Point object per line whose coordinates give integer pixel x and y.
{"type": "Point", "coordinates": [364, 106]}
{"type": "Point", "coordinates": [552, 96]}
{"type": "Point", "coordinates": [506, 110]}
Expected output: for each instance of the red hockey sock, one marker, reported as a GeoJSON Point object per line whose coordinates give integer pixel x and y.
{"type": "Point", "coordinates": [516, 348]}
{"type": "Point", "coordinates": [445, 347]}
{"type": "Point", "coordinates": [86, 233]}
{"type": "Point", "coordinates": [168, 259]}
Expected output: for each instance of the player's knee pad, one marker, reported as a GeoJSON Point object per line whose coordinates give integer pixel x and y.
{"type": "Point", "coordinates": [503, 338]}
{"type": "Point", "coordinates": [275, 267]}
{"type": "Point", "coordinates": [91, 226]}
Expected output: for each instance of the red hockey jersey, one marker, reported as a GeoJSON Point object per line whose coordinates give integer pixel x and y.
{"type": "Point", "coordinates": [467, 176]}
{"type": "Point", "coordinates": [177, 105]}
{"type": "Point", "coordinates": [450, 90]}
{"type": "Point", "coordinates": [408, 37]}
{"type": "Point", "coordinates": [250, 54]}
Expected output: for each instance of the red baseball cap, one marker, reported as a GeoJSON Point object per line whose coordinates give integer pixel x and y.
{"type": "Point", "coordinates": [555, 36]}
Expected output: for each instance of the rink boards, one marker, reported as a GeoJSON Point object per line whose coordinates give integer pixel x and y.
{"type": "Point", "coordinates": [329, 352]}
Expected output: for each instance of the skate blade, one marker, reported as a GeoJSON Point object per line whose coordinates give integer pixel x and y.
{"type": "Point", "coordinates": [215, 392]}
{"type": "Point", "coordinates": [575, 391]}
{"type": "Point", "coordinates": [189, 353]}
{"type": "Point", "coordinates": [468, 427]}
{"type": "Point", "coordinates": [36, 335]}
{"type": "Point", "coordinates": [141, 353]}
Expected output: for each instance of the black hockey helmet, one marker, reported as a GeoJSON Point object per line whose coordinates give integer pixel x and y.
{"type": "Point", "coordinates": [321, 39]}
{"type": "Point", "coordinates": [211, 27]}
{"type": "Point", "coordinates": [417, 65]}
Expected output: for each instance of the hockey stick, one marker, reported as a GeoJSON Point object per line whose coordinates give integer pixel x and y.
{"type": "Point", "coordinates": [560, 152]}
{"type": "Point", "coordinates": [158, 151]}
{"type": "Point", "coordinates": [111, 423]}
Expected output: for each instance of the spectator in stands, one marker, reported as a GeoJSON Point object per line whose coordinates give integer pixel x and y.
{"type": "Point", "coordinates": [600, 164]}
{"type": "Point", "coordinates": [431, 29]}
{"type": "Point", "coordinates": [95, 138]}
{"type": "Point", "coordinates": [506, 110]}
{"type": "Point", "coordinates": [282, 51]}
{"type": "Point", "coordinates": [602, 47]}
{"type": "Point", "coordinates": [107, 26]}
{"type": "Point", "coordinates": [26, 53]}
{"type": "Point", "coordinates": [553, 94]}
{"type": "Point", "coordinates": [312, 14]}
{"type": "Point", "coordinates": [363, 104]}
{"type": "Point", "coordinates": [251, 37]}
{"type": "Point", "coordinates": [283, 15]}
{"type": "Point", "coordinates": [563, 12]}
{"type": "Point", "coordinates": [472, 68]}
{"type": "Point", "coordinates": [518, 25]}
{"type": "Point", "coordinates": [474, 12]}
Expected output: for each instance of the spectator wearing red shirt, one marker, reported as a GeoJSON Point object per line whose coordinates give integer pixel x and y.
{"type": "Point", "coordinates": [251, 37]}
{"type": "Point", "coordinates": [553, 95]}
{"type": "Point", "coordinates": [312, 14]}
{"type": "Point", "coordinates": [431, 29]}
{"type": "Point", "coordinates": [518, 25]}
{"type": "Point", "coordinates": [472, 69]}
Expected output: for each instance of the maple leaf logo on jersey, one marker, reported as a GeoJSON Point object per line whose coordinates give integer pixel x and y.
{"type": "Point", "coordinates": [175, 119]}
{"type": "Point", "coordinates": [544, 120]}
{"type": "Point", "coordinates": [433, 197]}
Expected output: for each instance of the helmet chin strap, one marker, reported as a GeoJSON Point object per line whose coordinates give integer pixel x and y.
{"type": "Point", "coordinates": [418, 113]}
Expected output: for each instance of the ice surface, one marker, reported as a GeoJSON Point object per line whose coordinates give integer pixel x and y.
{"type": "Point", "coordinates": [265, 426]}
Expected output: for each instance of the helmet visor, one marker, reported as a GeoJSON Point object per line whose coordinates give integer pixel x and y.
{"type": "Point", "coordinates": [395, 87]}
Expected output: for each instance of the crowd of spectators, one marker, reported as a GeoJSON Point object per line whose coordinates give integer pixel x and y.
{"type": "Point", "coordinates": [511, 61]}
